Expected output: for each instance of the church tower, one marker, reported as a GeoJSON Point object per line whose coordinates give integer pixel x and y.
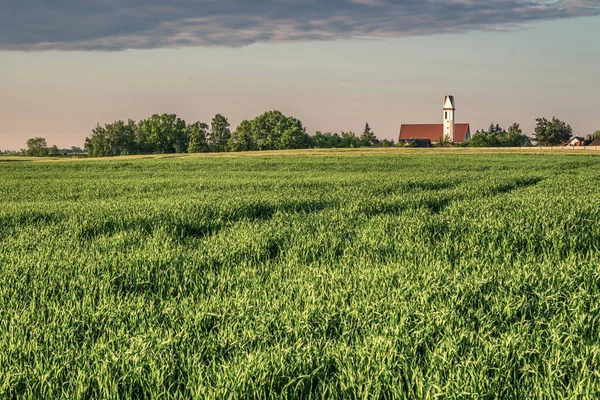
{"type": "Point", "coordinates": [449, 110]}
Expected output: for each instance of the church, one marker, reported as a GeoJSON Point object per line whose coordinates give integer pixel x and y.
{"type": "Point", "coordinates": [425, 134]}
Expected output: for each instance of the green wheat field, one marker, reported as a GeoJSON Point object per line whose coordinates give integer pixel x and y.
{"type": "Point", "coordinates": [314, 274]}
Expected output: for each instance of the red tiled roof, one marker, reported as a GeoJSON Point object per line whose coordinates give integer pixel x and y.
{"type": "Point", "coordinates": [595, 142]}
{"type": "Point", "coordinates": [432, 132]}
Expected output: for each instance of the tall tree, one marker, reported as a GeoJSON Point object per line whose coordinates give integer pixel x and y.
{"type": "Point", "coordinates": [321, 140]}
{"type": "Point", "coordinates": [196, 134]}
{"type": "Point", "coordinates": [128, 142]}
{"type": "Point", "coordinates": [163, 134]}
{"type": "Point", "coordinates": [37, 147]}
{"type": "Point", "coordinates": [241, 139]}
{"type": "Point", "coordinates": [368, 137]}
{"type": "Point", "coordinates": [515, 138]}
{"type": "Point", "coordinates": [96, 144]}
{"type": "Point", "coordinates": [113, 139]}
{"type": "Point", "coordinates": [349, 139]}
{"type": "Point", "coordinates": [496, 130]}
{"type": "Point", "coordinates": [219, 133]}
{"type": "Point", "coordinates": [552, 132]}
{"type": "Point", "coordinates": [293, 135]}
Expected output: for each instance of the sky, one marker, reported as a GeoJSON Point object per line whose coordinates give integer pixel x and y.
{"type": "Point", "coordinates": [66, 66]}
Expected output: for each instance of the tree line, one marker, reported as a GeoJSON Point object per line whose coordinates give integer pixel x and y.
{"type": "Point", "coordinates": [168, 133]}
{"type": "Point", "coordinates": [38, 147]}
{"type": "Point", "coordinates": [547, 132]}
{"type": "Point", "coordinates": [272, 130]}
{"type": "Point", "coordinates": [495, 136]}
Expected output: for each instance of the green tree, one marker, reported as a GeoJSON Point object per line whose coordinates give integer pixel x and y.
{"type": "Point", "coordinates": [349, 139]}
{"type": "Point", "coordinates": [219, 133]}
{"type": "Point", "coordinates": [121, 138]}
{"type": "Point", "coordinates": [496, 136]}
{"type": "Point", "coordinates": [141, 133]}
{"type": "Point", "coordinates": [241, 139]}
{"type": "Point", "coordinates": [117, 138]}
{"type": "Point", "coordinates": [319, 140]}
{"type": "Point", "coordinates": [591, 137]}
{"type": "Point", "coordinates": [496, 130]}
{"type": "Point", "coordinates": [514, 137]}
{"type": "Point", "coordinates": [326, 140]}
{"type": "Point", "coordinates": [164, 133]}
{"type": "Point", "coordinates": [483, 139]}
{"type": "Point", "coordinates": [196, 134]}
{"type": "Point", "coordinates": [37, 147]}
{"type": "Point", "coordinates": [294, 135]}
{"type": "Point", "coordinates": [273, 130]}
{"type": "Point", "coordinates": [334, 139]}
{"type": "Point", "coordinates": [97, 145]}
{"type": "Point", "coordinates": [322, 140]}
{"type": "Point", "coordinates": [53, 151]}
{"type": "Point", "coordinates": [552, 132]}
{"type": "Point", "coordinates": [444, 141]}
{"type": "Point", "coordinates": [267, 129]}
{"type": "Point", "coordinates": [368, 138]}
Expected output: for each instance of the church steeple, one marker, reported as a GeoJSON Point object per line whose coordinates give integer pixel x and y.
{"type": "Point", "coordinates": [449, 111]}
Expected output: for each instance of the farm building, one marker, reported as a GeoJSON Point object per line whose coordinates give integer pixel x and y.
{"type": "Point", "coordinates": [454, 132]}
{"type": "Point", "coordinates": [576, 141]}
{"type": "Point", "coordinates": [595, 142]}
{"type": "Point", "coordinates": [418, 142]}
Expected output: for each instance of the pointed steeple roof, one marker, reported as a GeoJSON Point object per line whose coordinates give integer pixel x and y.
{"type": "Point", "coordinates": [449, 103]}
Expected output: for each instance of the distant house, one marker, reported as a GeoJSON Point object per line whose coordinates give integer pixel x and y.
{"type": "Point", "coordinates": [576, 141]}
{"type": "Point", "coordinates": [595, 142]}
{"type": "Point", "coordinates": [449, 130]}
{"type": "Point", "coordinates": [418, 142]}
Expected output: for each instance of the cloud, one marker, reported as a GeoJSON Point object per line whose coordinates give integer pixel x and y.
{"type": "Point", "coordinates": [32, 25]}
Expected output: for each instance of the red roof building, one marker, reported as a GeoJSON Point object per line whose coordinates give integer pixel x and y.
{"type": "Point", "coordinates": [456, 133]}
{"type": "Point", "coordinates": [433, 132]}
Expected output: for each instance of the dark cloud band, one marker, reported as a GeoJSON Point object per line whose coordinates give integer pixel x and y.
{"type": "Point", "coordinates": [138, 24]}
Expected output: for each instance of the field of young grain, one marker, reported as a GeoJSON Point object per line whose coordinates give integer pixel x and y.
{"type": "Point", "coordinates": [325, 275]}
